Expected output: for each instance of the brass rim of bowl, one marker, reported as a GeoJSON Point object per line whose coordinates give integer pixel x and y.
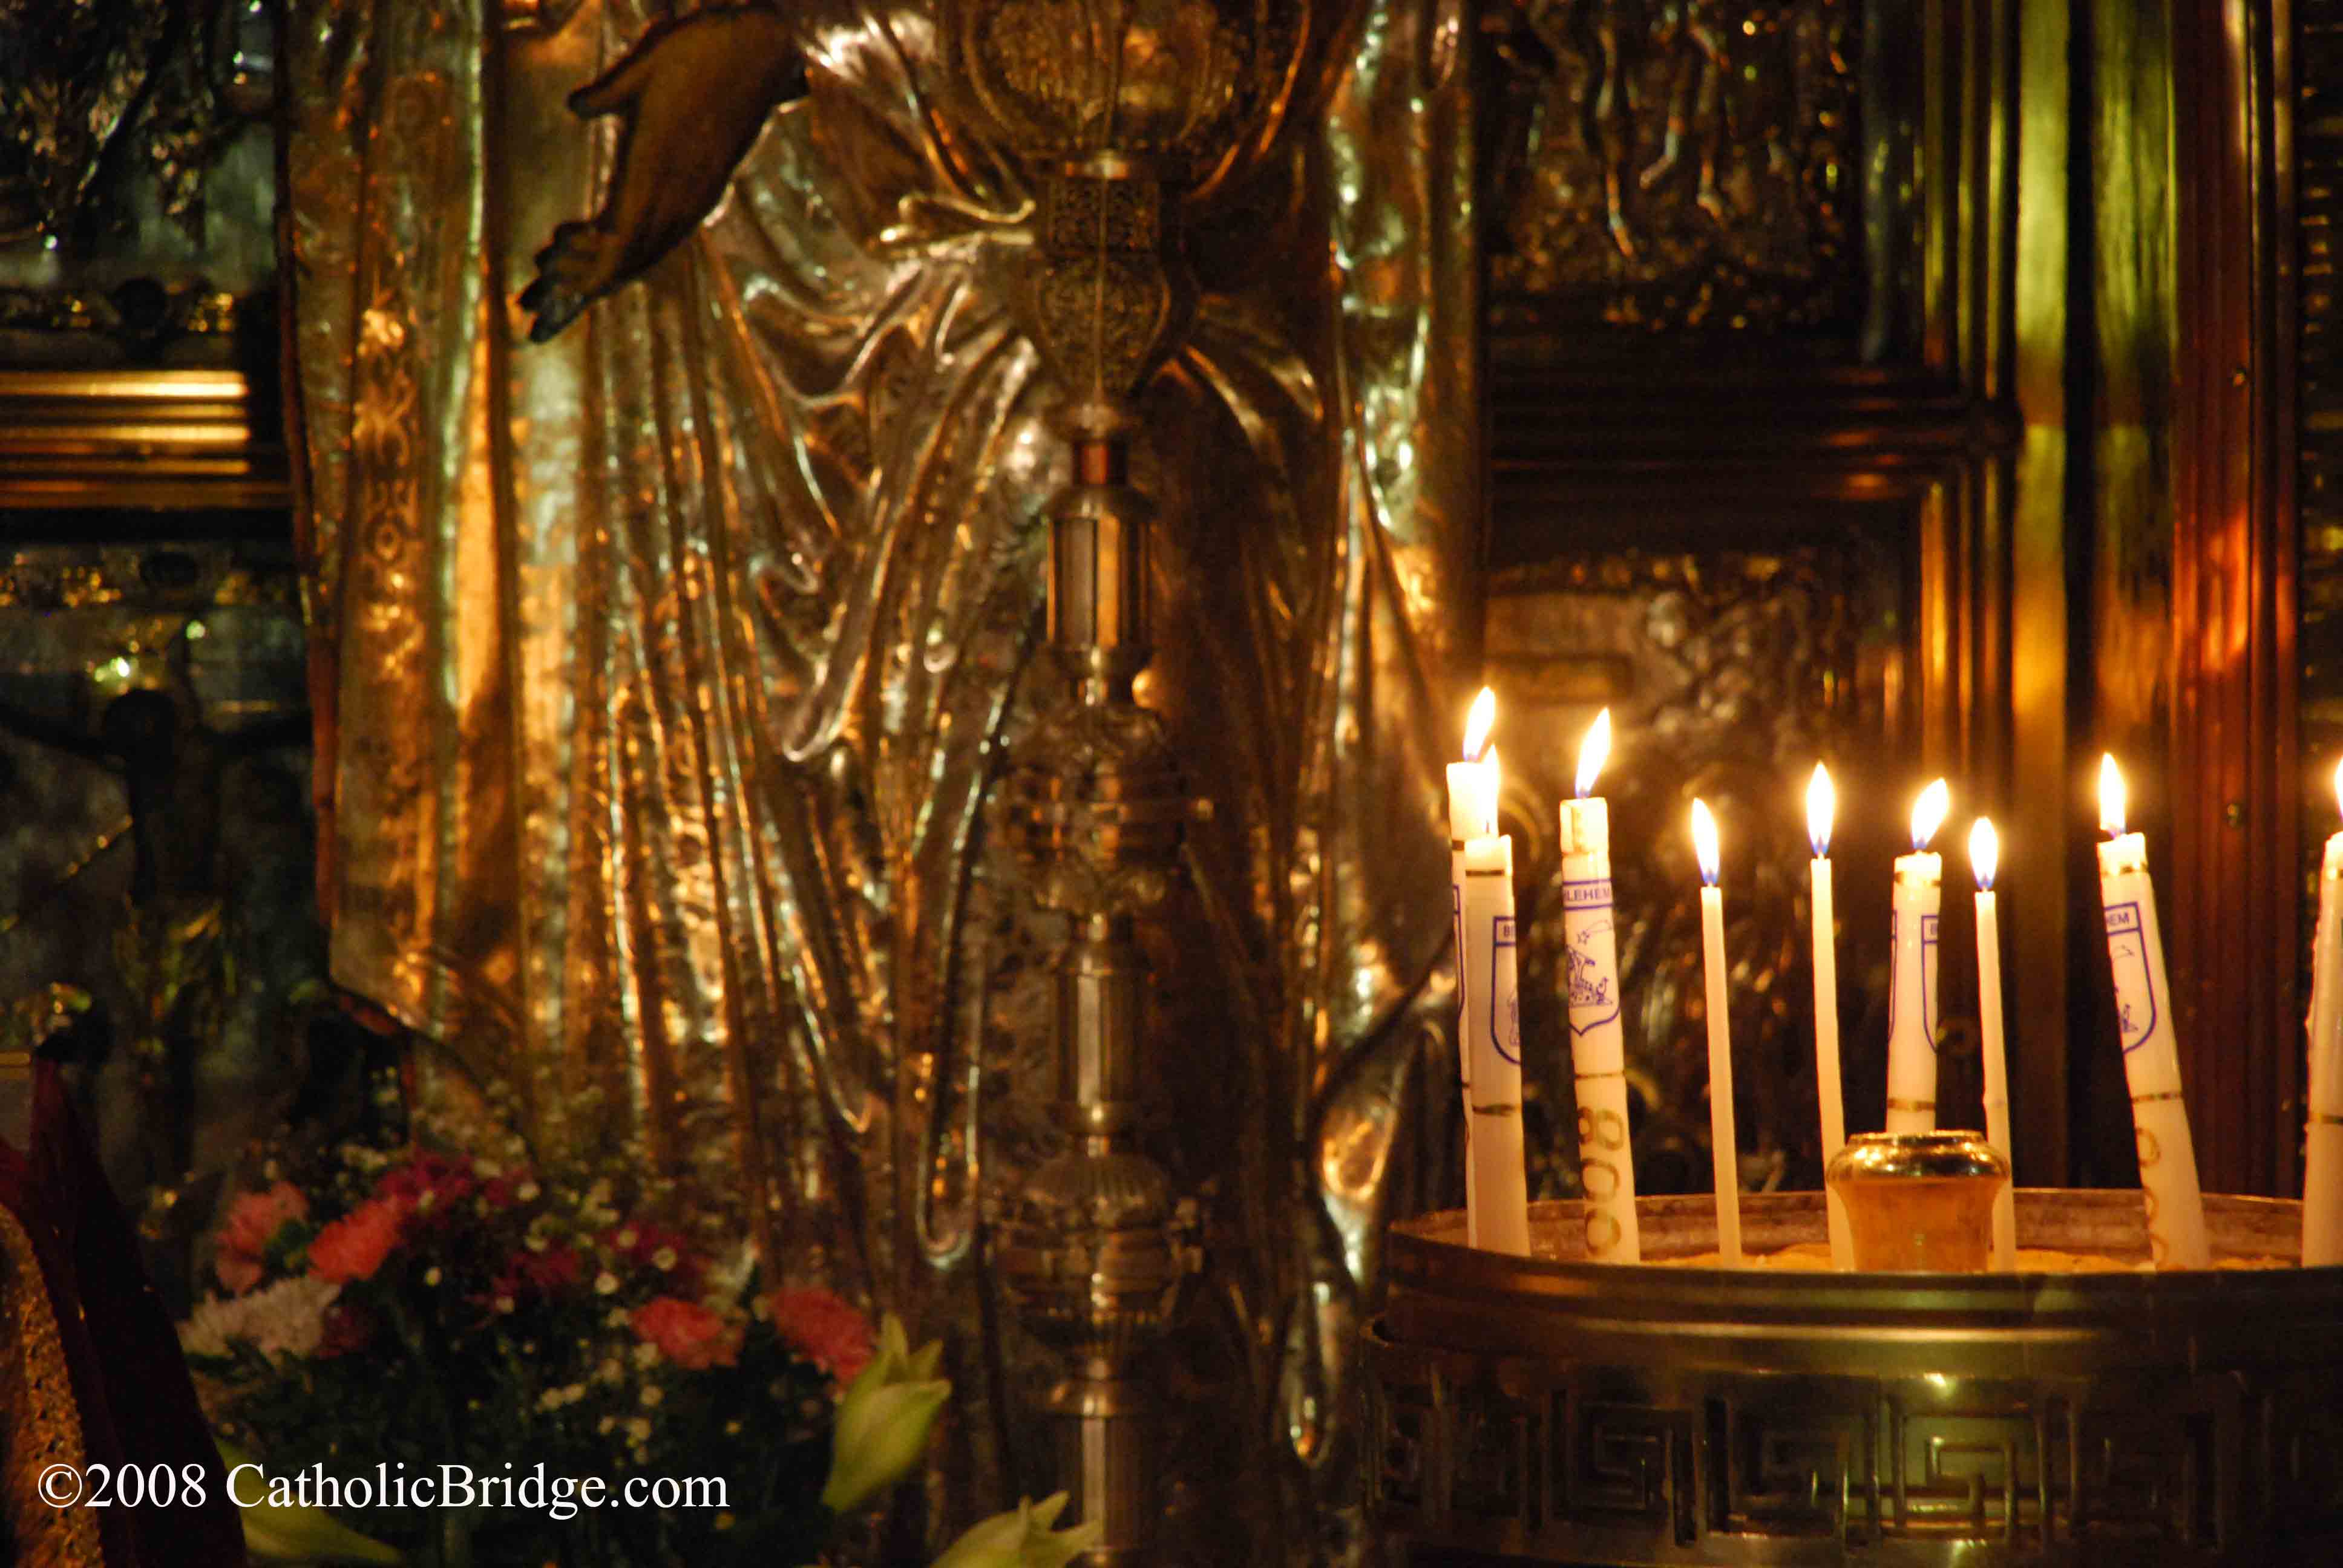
{"type": "Point", "coordinates": [1942, 1155]}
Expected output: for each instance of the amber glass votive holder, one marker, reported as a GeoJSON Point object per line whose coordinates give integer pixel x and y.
{"type": "Point", "coordinates": [1919, 1203]}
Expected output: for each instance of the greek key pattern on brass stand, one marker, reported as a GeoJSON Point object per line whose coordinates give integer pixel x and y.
{"type": "Point", "coordinates": [1655, 1416]}
{"type": "Point", "coordinates": [1733, 1467]}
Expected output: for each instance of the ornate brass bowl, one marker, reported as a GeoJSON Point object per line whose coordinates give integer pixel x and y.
{"type": "Point", "coordinates": [1551, 1409]}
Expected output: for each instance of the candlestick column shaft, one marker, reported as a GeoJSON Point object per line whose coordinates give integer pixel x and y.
{"type": "Point", "coordinates": [1094, 1245]}
{"type": "Point", "coordinates": [2168, 1154]}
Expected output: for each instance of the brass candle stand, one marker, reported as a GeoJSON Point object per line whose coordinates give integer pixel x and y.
{"type": "Point", "coordinates": [1549, 1410]}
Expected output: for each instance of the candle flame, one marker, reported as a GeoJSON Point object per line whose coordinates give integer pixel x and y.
{"type": "Point", "coordinates": [2111, 796]}
{"type": "Point", "coordinates": [1703, 843]}
{"type": "Point", "coordinates": [1478, 723]}
{"type": "Point", "coordinates": [2338, 786]}
{"type": "Point", "coordinates": [1985, 852]}
{"type": "Point", "coordinates": [1822, 804]}
{"type": "Point", "coordinates": [1592, 752]}
{"type": "Point", "coordinates": [1928, 814]}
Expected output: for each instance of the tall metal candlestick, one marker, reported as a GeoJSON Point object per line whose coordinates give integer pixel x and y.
{"type": "Point", "coordinates": [2322, 1168]}
{"type": "Point", "coordinates": [1984, 856]}
{"type": "Point", "coordinates": [1598, 1048]}
{"type": "Point", "coordinates": [1830, 1098]}
{"type": "Point", "coordinates": [1497, 1175]}
{"type": "Point", "coordinates": [1724, 1145]}
{"type": "Point", "coordinates": [2168, 1154]}
{"type": "Point", "coordinates": [1912, 984]}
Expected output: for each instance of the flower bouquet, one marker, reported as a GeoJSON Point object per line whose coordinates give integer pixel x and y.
{"type": "Point", "coordinates": [452, 1349]}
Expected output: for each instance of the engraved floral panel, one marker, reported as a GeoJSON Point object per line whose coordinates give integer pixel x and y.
{"type": "Point", "coordinates": [1728, 674]}
{"type": "Point", "coordinates": [1672, 166]}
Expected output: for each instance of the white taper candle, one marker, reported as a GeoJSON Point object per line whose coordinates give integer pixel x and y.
{"type": "Point", "coordinates": [2168, 1154]}
{"type": "Point", "coordinates": [1912, 978]}
{"type": "Point", "coordinates": [1830, 1097]}
{"type": "Point", "coordinates": [2322, 1166]}
{"type": "Point", "coordinates": [1497, 1174]}
{"type": "Point", "coordinates": [1985, 857]}
{"type": "Point", "coordinates": [1598, 1048]}
{"type": "Point", "coordinates": [1723, 1146]}
{"type": "Point", "coordinates": [1472, 814]}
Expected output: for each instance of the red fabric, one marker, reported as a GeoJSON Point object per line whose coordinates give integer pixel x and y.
{"type": "Point", "coordinates": [136, 1402]}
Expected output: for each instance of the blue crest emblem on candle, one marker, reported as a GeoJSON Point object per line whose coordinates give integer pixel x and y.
{"type": "Point", "coordinates": [2138, 1008]}
{"type": "Point", "coordinates": [1927, 974]}
{"type": "Point", "coordinates": [1594, 985]}
{"type": "Point", "coordinates": [1504, 992]}
{"type": "Point", "coordinates": [1928, 977]}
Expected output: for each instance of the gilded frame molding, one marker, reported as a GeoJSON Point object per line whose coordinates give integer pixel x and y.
{"type": "Point", "coordinates": [178, 438]}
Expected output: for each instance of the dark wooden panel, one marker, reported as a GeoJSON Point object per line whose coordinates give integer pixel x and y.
{"type": "Point", "coordinates": [2317, 190]}
{"type": "Point", "coordinates": [2236, 799]}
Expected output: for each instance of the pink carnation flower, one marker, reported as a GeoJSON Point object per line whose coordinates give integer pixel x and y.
{"type": "Point", "coordinates": [354, 1246]}
{"type": "Point", "coordinates": [820, 1326]}
{"type": "Point", "coordinates": [686, 1334]}
{"type": "Point", "coordinates": [254, 1218]}
{"type": "Point", "coordinates": [253, 1222]}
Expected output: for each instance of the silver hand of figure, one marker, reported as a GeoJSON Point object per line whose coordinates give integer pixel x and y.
{"type": "Point", "coordinates": [691, 97]}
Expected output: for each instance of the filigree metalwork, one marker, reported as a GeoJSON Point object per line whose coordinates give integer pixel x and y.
{"type": "Point", "coordinates": [1678, 165]}
{"type": "Point", "coordinates": [1184, 85]}
{"type": "Point", "coordinates": [155, 311]}
{"type": "Point", "coordinates": [147, 86]}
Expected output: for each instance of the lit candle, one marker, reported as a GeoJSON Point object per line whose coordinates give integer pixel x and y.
{"type": "Point", "coordinates": [1598, 1053]}
{"type": "Point", "coordinates": [1472, 814]}
{"type": "Point", "coordinates": [1912, 975]}
{"type": "Point", "coordinates": [1497, 1175]}
{"type": "Point", "coordinates": [1984, 854]}
{"type": "Point", "coordinates": [1723, 1145]}
{"type": "Point", "coordinates": [2167, 1156]}
{"type": "Point", "coordinates": [1822, 803]}
{"type": "Point", "coordinates": [2322, 1169]}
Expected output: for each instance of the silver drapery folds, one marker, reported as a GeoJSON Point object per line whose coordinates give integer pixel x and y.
{"type": "Point", "coordinates": [668, 664]}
